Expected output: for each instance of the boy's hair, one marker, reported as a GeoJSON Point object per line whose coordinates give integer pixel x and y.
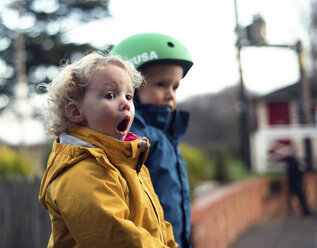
{"type": "Point", "coordinates": [70, 85]}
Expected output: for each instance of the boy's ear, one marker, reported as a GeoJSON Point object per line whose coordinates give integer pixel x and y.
{"type": "Point", "coordinates": [73, 112]}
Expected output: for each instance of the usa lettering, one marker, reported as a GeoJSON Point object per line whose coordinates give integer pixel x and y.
{"type": "Point", "coordinates": [144, 57]}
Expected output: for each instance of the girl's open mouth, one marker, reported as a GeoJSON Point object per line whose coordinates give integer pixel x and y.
{"type": "Point", "coordinates": [123, 125]}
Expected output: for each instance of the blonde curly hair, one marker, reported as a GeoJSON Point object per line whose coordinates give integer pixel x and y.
{"type": "Point", "coordinates": [70, 85]}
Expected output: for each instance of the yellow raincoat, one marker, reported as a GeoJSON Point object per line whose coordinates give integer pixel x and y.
{"type": "Point", "coordinates": [103, 196]}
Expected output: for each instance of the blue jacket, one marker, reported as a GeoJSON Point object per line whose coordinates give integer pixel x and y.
{"type": "Point", "coordinates": [165, 129]}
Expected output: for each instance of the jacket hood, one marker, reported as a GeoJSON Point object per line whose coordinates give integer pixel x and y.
{"type": "Point", "coordinates": [172, 123]}
{"type": "Point", "coordinates": [64, 156]}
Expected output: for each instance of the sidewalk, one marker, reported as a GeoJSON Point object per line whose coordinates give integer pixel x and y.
{"type": "Point", "coordinates": [289, 232]}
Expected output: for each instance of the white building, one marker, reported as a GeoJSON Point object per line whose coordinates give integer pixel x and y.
{"type": "Point", "coordinates": [277, 126]}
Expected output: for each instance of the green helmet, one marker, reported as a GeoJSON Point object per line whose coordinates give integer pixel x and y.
{"type": "Point", "coordinates": [151, 48]}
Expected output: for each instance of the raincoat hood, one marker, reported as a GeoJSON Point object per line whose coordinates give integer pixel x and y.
{"type": "Point", "coordinates": [173, 124]}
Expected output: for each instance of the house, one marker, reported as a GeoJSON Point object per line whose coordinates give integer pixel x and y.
{"type": "Point", "coordinates": [278, 126]}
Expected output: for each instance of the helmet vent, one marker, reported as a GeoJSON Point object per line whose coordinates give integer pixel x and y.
{"type": "Point", "coordinates": [170, 44]}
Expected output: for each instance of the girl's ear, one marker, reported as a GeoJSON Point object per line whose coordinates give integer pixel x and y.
{"type": "Point", "coordinates": [73, 112]}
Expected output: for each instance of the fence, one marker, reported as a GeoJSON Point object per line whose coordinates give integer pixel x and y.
{"type": "Point", "coordinates": [23, 221]}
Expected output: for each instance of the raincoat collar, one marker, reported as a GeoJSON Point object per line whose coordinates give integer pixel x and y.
{"type": "Point", "coordinates": [117, 151]}
{"type": "Point", "coordinates": [66, 139]}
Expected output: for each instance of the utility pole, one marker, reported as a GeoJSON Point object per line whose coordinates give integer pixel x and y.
{"type": "Point", "coordinates": [243, 105]}
{"type": "Point", "coordinates": [305, 115]}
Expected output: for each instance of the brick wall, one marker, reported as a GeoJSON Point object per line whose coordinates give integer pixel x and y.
{"type": "Point", "coordinates": [219, 218]}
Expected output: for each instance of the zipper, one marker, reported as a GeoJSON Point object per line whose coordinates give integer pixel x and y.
{"type": "Point", "coordinates": [154, 208]}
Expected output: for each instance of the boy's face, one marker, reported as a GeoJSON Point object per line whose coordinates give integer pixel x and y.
{"type": "Point", "coordinates": [107, 105]}
{"type": "Point", "coordinates": [162, 82]}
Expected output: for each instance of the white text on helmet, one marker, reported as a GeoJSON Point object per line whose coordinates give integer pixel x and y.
{"type": "Point", "coordinates": [143, 57]}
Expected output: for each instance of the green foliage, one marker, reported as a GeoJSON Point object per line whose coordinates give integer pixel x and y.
{"type": "Point", "coordinates": [238, 171]}
{"type": "Point", "coordinates": [12, 162]}
{"type": "Point", "coordinates": [279, 175]}
{"type": "Point", "coordinates": [218, 166]}
{"type": "Point", "coordinates": [199, 165]}
{"type": "Point", "coordinates": [228, 168]}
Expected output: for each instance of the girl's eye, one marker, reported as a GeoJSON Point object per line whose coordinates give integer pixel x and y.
{"type": "Point", "coordinates": [109, 96]}
{"type": "Point", "coordinates": [160, 84]}
{"type": "Point", "coordinates": [175, 87]}
{"type": "Point", "coordinates": [129, 97]}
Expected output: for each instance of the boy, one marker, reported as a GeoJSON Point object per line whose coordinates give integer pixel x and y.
{"type": "Point", "coordinates": [163, 61]}
{"type": "Point", "coordinates": [96, 188]}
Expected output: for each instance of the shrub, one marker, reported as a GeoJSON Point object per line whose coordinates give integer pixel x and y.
{"type": "Point", "coordinates": [217, 166]}
{"type": "Point", "coordinates": [199, 165]}
{"type": "Point", "coordinates": [13, 162]}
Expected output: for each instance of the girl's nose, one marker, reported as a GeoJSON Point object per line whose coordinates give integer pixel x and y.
{"type": "Point", "coordinates": [124, 105]}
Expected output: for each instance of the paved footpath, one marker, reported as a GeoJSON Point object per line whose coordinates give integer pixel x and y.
{"type": "Point", "coordinates": [289, 232]}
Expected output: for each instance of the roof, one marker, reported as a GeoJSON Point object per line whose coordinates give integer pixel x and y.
{"type": "Point", "coordinates": [288, 93]}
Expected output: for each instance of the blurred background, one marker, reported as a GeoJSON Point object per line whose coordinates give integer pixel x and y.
{"type": "Point", "coordinates": [43, 33]}
{"type": "Point", "coordinates": [251, 92]}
